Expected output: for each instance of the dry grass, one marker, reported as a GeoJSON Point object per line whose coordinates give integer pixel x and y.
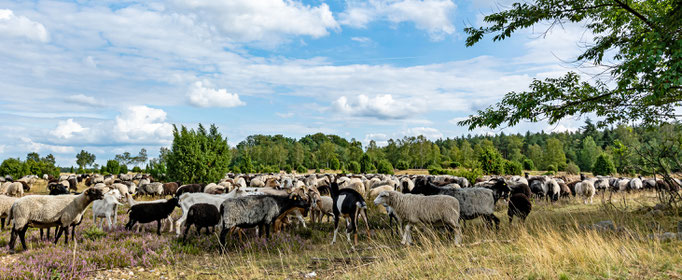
{"type": "Point", "coordinates": [551, 244]}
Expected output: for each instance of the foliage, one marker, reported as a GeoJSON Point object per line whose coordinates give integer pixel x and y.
{"type": "Point", "coordinates": [644, 39]}
{"type": "Point", "coordinates": [113, 167]}
{"type": "Point", "coordinates": [17, 168]}
{"type": "Point", "coordinates": [588, 154]}
{"type": "Point", "coordinates": [354, 167]}
{"type": "Point", "coordinates": [402, 165]}
{"type": "Point", "coordinates": [572, 168]}
{"type": "Point", "coordinates": [491, 161]}
{"type": "Point", "coordinates": [384, 167]}
{"type": "Point", "coordinates": [301, 169]}
{"type": "Point", "coordinates": [513, 167]}
{"type": "Point", "coordinates": [137, 169]}
{"type": "Point", "coordinates": [84, 159]}
{"type": "Point", "coordinates": [198, 156]}
{"type": "Point", "coordinates": [603, 166]}
{"type": "Point", "coordinates": [528, 164]}
{"type": "Point", "coordinates": [335, 164]}
{"type": "Point", "coordinates": [123, 169]}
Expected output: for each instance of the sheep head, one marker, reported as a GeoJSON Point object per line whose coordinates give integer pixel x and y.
{"type": "Point", "coordinates": [94, 194]}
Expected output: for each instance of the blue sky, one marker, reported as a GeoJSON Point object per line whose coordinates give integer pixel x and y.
{"type": "Point", "coordinates": [110, 77]}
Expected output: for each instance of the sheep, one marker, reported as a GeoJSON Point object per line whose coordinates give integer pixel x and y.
{"type": "Point", "coordinates": [585, 189]}
{"type": "Point", "coordinates": [635, 184]}
{"type": "Point", "coordinates": [5, 206]}
{"type": "Point", "coordinates": [106, 207]}
{"type": "Point", "coordinates": [521, 188]}
{"type": "Point", "coordinates": [256, 210]}
{"type": "Point", "coordinates": [3, 187]}
{"type": "Point", "coordinates": [553, 190]}
{"type": "Point", "coordinates": [186, 201]}
{"type": "Point", "coordinates": [212, 188]}
{"type": "Point", "coordinates": [15, 189]}
{"type": "Point", "coordinates": [321, 206]}
{"type": "Point", "coordinates": [417, 209]}
{"type": "Point", "coordinates": [202, 215]}
{"type": "Point", "coordinates": [350, 204]}
{"type": "Point", "coordinates": [170, 188]}
{"type": "Point", "coordinates": [57, 189]}
{"type": "Point", "coordinates": [355, 184]}
{"type": "Point", "coordinates": [153, 189]}
{"type": "Point", "coordinates": [473, 202]}
{"type": "Point", "coordinates": [405, 183]}
{"type": "Point", "coordinates": [538, 186]}
{"type": "Point", "coordinates": [47, 211]}
{"type": "Point", "coordinates": [149, 212]}
{"type": "Point", "coordinates": [565, 191]}
{"type": "Point", "coordinates": [131, 202]}
{"type": "Point", "coordinates": [520, 206]}
{"type": "Point", "coordinates": [376, 191]}
{"type": "Point", "coordinates": [190, 188]}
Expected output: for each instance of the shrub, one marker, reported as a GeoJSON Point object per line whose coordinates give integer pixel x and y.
{"type": "Point", "coordinates": [112, 167]}
{"type": "Point", "coordinates": [491, 161]}
{"type": "Point", "coordinates": [385, 167]}
{"type": "Point", "coordinates": [123, 169]}
{"type": "Point", "coordinates": [552, 167]}
{"type": "Point", "coordinates": [287, 168]}
{"type": "Point", "coordinates": [572, 168]}
{"type": "Point", "coordinates": [317, 170]}
{"type": "Point", "coordinates": [236, 169]}
{"type": "Point", "coordinates": [199, 156]}
{"type": "Point", "coordinates": [301, 169]}
{"type": "Point", "coordinates": [603, 165]}
{"type": "Point", "coordinates": [354, 167]}
{"type": "Point", "coordinates": [137, 169]}
{"type": "Point", "coordinates": [402, 165]}
{"type": "Point", "coordinates": [335, 164]}
{"type": "Point", "coordinates": [513, 168]}
{"type": "Point", "coordinates": [528, 164]}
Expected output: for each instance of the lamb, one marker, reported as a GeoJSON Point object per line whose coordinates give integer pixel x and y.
{"type": "Point", "coordinates": [585, 189]}
{"type": "Point", "coordinates": [45, 211]}
{"type": "Point", "coordinates": [350, 204]}
{"type": "Point", "coordinates": [132, 202]}
{"type": "Point", "coordinates": [418, 209]}
{"type": "Point", "coordinates": [149, 212]}
{"type": "Point", "coordinates": [520, 206]}
{"type": "Point", "coordinates": [5, 206]}
{"type": "Point", "coordinates": [106, 207]}
{"type": "Point", "coordinates": [256, 210]}
{"type": "Point", "coordinates": [202, 215]}
{"type": "Point", "coordinates": [473, 202]}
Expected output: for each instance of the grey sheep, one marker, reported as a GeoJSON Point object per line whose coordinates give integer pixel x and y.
{"type": "Point", "coordinates": [418, 209]}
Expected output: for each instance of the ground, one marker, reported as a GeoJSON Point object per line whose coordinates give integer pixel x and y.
{"type": "Point", "coordinates": [555, 242]}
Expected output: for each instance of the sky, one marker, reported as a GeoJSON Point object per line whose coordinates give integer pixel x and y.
{"type": "Point", "coordinates": [115, 76]}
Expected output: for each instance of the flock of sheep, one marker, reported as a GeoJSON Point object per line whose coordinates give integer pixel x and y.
{"type": "Point", "coordinates": [272, 201]}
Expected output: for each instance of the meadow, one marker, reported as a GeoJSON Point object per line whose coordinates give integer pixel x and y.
{"type": "Point", "coordinates": [556, 241]}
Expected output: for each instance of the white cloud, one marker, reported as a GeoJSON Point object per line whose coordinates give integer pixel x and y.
{"type": "Point", "coordinates": [21, 26]}
{"type": "Point", "coordinates": [361, 39]}
{"type": "Point", "coordinates": [381, 107]}
{"type": "Point", "coordinates": [31, 146]}
{"type": "Point", "coordinates": [90, 62]}
{"type": "Point", "coordinates": [142, 124]}
{"type": "Point", "coordinates": [432, 16]}
{"type": "Point", "coordinates": [2, 149]}
{"type": "Point", "coordinates": [264, 20]}
{"type": "Point", "coordinates": [84, 100]}
{"type": "Point", "coordinates": [202, 95]}
{"type": "Point", "coordinates": [285, 115]}
{"type": "Point", "coordinates": [379, 138]}
{"type": "Point", "coordinates": [428, 132]}
{"type": "Point", "coordinates": [67, 129]}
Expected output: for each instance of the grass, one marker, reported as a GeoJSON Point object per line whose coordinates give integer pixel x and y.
{"type": "Point", "coordinates": [553, 243]}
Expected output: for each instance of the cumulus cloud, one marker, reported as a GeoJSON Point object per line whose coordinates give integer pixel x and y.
{"type": "Point", "coordinates": [361, 39]}
{"type": "Point", "coordinates": [202, 95]}
{"type": "Point", "coordinates": [83, 100]}
{"type": "Point", "coordinates": [142, 124]}
{"type": "Point", "coordinates": [428, 132]}
{"type": "Point", "coordinates": [380, 106]}
{"type": "Point", "coordinates": [248, 20]}
{"type": "Point", "coordinates": [30, 145]}
{"type": "Point", "coordinates": [379, 138]}
{"type": "Point", "coordinates": [21, 26]}
{"type": "Point", "coordinates": [67, 129]}
{"type": "Point", "coordinates": [432, 16]}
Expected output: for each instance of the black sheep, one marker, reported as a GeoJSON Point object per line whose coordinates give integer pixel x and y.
{"type": "Point", "coordinates": [520, 206]}
{"type": "Point", "coordinates": [57, 189]}
{"type": "Point", "coordinates": [202, 215]}
{"type": "Point", "coordinates": [521, 188]}
{"type": "Point", "coordinates": [190, 188]}
{"type": "Point", "coordinates": [149, 212]}
{"type": "Point", "coordinates": [350, 204]}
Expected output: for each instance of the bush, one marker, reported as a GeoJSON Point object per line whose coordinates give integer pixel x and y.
{"type": "Point", "coordinates": [402, 165]}
{"type": "Point", "coordinates": [335, 164]}
{"type": "Point", "coordinates": [385, 167]}
{"type": "Point", "coordinates": [603, 166]}
{"type": "Point", "coordinates": [123, 169]}
{"type": "Point", "coordinates": [354, 167]}
{"type": "Point", "coordinates": [13, 167]}
{"type": "Point", "coordinates": [137, 169]}
{"type": "Point", "coordinates": [112, 167]}
{"type": "Point", "coordinates": [572, 168]}
{"type": "Point", "coordinates": [528, 164]}
{"type": "Point", "coordinates": [513, 168]}
{"type": "Point", "coordinates": [301, 169]}
{"type": "Point", "coordinates": [236, 170]}
{"type": "Point", "coordinates": [491, 161]}
{"type": "Point", "coordinates": [287, 168]}
{"type": "Point", "coordinates": [317, 170]}
{"type": "Point", "coordinates": [552, 167]}
{"type": "Point", "coordinates": [199, 156]}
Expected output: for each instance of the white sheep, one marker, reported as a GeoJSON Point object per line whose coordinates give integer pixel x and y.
{"type": "Point", "coordinates": [586, 190]}
{"type": "Point", "coordinates": [5, 205]}
{"type": "Point", "coordinates": [106, 208]}
{"type": "Point", "coordinates": [212, 188]}
{"type": "Point", "coordinates": [15, 189]}
{"type": "Point", "coordinates": [417, 210]}
{"type": "Point", "coordinates": [46, 211]}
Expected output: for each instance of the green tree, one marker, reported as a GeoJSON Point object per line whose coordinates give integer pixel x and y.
{"type": "Point", "coordinates": [198, 156]}
{"type": "Point", "coordinates": [84, 159]}
{"type": "Point", "coordinates": [49, 159]}
{"type": "Point", "coordinates": [301, 169]}
{"type": "Point", "coordinates": [528, 164]}
{"type": "Point", "coordinates": [123, 169]}
{"type": "Point", "coordinates": [588, 154]}
{"type": "Point", "coordinates": [554, 154]}
{"type": "Point", "coordinates": [402, 165]}
{"type": "Point", "coordinates": [13, 167]}
{"type": "Point", "coordinates": [491, 161]}
{"type": "Point", "coordinates": [603, 165]}
{"type": "Point", "coordinates": [535, 154]}
{"type": "Point", "coordinates": [572, 168]}
{"type": "Point", "coordinates": [33, 156]}
{"type": "Point", "coordinates": [513, 167]}
{"type": "Point", "coordinates": [385, 167]}
{"type": "Point", "coordinates": [354, 167]}
{"type": "Point", "coordinates": [335, 164]}
{"type": "Point", "coordinates": [644, 38]}
{"type": "Point", "coordinates": [113, 167]}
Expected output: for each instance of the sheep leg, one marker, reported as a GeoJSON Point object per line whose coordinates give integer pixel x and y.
{"type": "Point", "coordinates": [363, 213]}
{"type": "Point", "coordinates": [267, 231]}
{"type": "Point", "coordinates": [115, 213]}
{"type": "Point", "coordinates": [73, 232]}
{"type": "Point", "coordinates": [158, 227]}
{"type": "Point", "coordinates": [22, 237]}
{"type": "Point", "coordinates": [60, 230]}
{"type": "Point", "coordinates": [300, 218]}
{"type": "Point", "coordinates": [336, 228]}
{"type": "Point", "coordinates": [12, 240]}
{"type": "Point", "coordinates": [2, 224]}
{"type": "Point", "coordinates": [223, 234]}
{"type": "Point", "coordinates": [184, 236]}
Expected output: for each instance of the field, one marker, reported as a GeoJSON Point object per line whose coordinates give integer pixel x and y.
{"type": "Point", "coordinates": [553, 243]}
